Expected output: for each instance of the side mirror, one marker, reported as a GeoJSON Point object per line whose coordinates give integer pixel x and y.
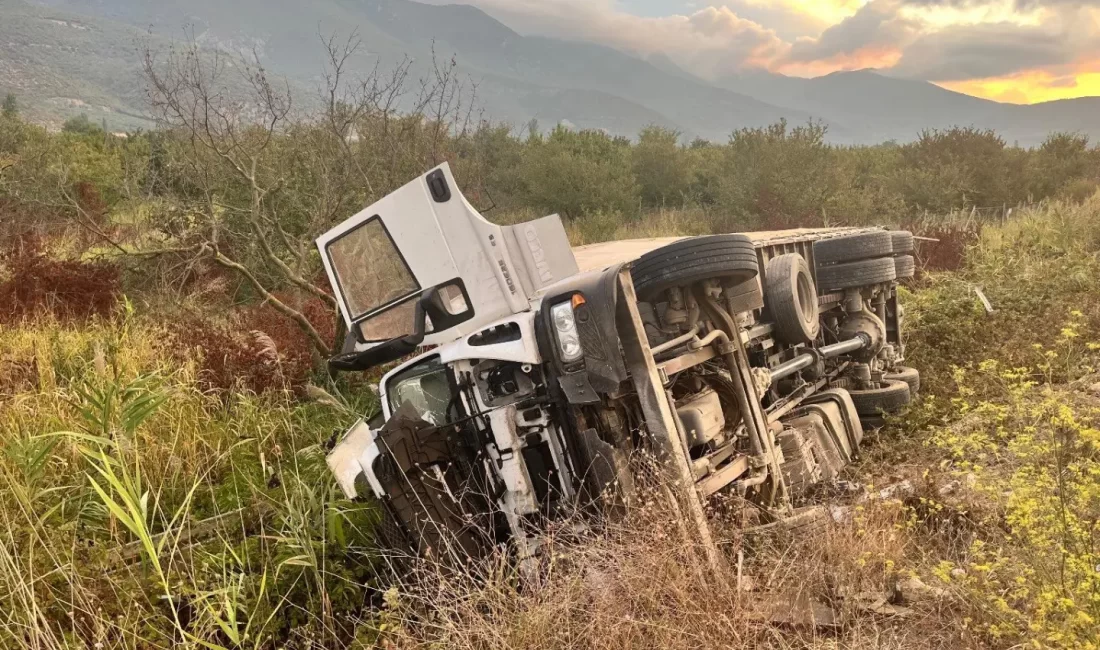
{"type": "Point", "coordinates": [391, 350]}
{"type": "Point", "coordinates": [446, 305]}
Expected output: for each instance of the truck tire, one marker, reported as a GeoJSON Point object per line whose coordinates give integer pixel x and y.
{"type": "Point", "coordinates": [856, 274]}
{"type": "Point", "coordinates": [790, 296]}
{"type": "Point", "coordinates": [731, 257]}
{"type": "Point", "coordinates": [905, 266]}
{"type": "Point", "coordinates": [909, 375]}
{"type": "Point", "coordinates": [851, 248]}
{"type": "Point", "coordinates": [890, 397]}
{"type": "Point", "coordinates": [903, 242]}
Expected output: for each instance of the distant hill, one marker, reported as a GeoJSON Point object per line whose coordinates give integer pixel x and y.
{"type": "Point", "coordinates": [61, 64]}
{"type": "Point", "coordinates": [887, 108]}
{"type": "Point", "coordinates": [63, 57]}
{"type": "Point", "coordinates": [519, 77]}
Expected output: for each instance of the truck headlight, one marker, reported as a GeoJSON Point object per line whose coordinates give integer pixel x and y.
{"type": "Point", "coordinates": [565, 326]}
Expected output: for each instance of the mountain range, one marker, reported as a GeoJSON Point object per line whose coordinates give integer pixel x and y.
{"type": "Point", "coordinates": [65, 57]}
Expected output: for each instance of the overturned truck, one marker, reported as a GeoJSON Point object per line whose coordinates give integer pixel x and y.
{"type": "Point", "coordinates": [747, 363]}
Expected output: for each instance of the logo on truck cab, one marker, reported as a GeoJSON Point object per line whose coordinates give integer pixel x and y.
{"type": "Point", "coordinates": [534, 244]}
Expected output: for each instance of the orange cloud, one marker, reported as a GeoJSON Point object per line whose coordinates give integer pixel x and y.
{"type": "Point", "coordinates": [1033, 86]}
{"type": "Point", "coordinates": [868, 57]}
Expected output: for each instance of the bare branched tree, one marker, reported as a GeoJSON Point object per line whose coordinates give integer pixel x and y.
{"type": "Point", "coordinates": [261, 181]}
{"type": "Point", "coordinates": [232, 132]}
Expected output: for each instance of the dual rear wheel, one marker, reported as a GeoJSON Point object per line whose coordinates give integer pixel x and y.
{"type": "Point", "coordinates": [867, 258]}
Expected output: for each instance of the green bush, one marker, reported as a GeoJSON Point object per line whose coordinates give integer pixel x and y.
{"type": "Point", "coordinates": [576, 173]}
{"type": "Point", "coordinates": [661, 167]}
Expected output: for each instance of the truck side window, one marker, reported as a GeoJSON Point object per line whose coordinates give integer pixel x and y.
{"type": "Point", "coordinates": [426, 387]}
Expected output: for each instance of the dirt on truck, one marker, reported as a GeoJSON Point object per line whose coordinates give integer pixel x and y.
{"type": "Point", "coordinates": [747, 364]}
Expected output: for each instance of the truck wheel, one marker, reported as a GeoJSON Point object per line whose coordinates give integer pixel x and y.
{"type": "Point", "coordinates": [903, 242]}
{"type": "Point", "coordinates": [792, 299]}
{"type": "Point", "coordinates": [731, 257]}
{"type": "Point", "coordinates": [856, 274]}
{"type": "Point", "coordinates": [909, 375]}
{"type": "Point", "coordinates": [905, 266]}
{"type": "Point", "coordinates": [851, 248]}
{"type": "Point", "coordinates": [890, 397]}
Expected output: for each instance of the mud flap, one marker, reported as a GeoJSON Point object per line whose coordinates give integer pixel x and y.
{"type": "Point", "coordinates": [848, 412]}
{"type": "Point", "coordinates": [607, 478]}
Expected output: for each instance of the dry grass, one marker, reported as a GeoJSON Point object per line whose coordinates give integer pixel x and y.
{"type": "Point", "coordinates": [636, 584]}
{"type": "Point", "coordinates": [112, 455]}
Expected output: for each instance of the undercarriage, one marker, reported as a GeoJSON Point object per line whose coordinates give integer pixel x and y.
{"type": "Point", "coordinates": [748, 365]}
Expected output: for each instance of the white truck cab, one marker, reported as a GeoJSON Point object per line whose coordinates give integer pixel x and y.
{"type": "Point", "coordinates": [426, 235]}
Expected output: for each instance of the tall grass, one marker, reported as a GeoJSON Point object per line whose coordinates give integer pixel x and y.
{"type": "Point", "coordinates": [140, 511]}
{"type": "Point", "coordinates": [144, 508]}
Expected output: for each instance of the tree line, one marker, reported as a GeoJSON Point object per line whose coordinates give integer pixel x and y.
{"type": "Point", "coordinates": [240, 176]}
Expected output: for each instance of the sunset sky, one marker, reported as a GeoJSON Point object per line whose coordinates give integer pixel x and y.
{"type": "Point", "coordinates": [1020, 51]}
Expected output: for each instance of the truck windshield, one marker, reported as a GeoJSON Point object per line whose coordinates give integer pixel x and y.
{"type": "Point", "coordinates": [369, 269]}
{"type": "Point", "coordinates": [425, 387]}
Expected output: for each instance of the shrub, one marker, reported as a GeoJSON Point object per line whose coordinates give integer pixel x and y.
{"type": "Point", "coordinates": [82, 125]}
{"type": "Point", "coordinates": [660, 166]}
{"type": "Point", "coordinates": [780, 176]}
{"type": "Point", "coordinates": [257, 349]}
{"type": "Point", "coordinates": [1030, 449]}
{"type": "Point", "coordinates": [578, 173]}
{"type": "Point", "coordinates": [948, 245]}
{"type": "Point", "coordinates": [284, 339]}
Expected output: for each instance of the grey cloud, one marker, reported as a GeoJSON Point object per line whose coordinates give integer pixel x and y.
{"type": "Point", "coordinates": [875, 23]}
{"type": "Point", "coordinates": [736, 34]}
{"type": "Point", "coordinates": [711, 41]}
{"type": "Point", "coordinates": [788, 23]}
{"type": "Point", "coordinates": [979, 51]}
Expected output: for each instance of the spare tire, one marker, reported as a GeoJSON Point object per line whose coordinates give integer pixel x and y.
{"type": "Point", "coordinates": [729, 257]}
{"type": "Point", "coordinates": [790, 296]}
{"type": "Point", "coordinates": [889, 397]}
{"type": "Point", "coordinates": [856, 274]}
{"type": "Point", "coordinates": [850, 248]}
{"type": "Point", "coordinates": [909, 375]}
{"type": "Point", "coordinates": [903, 242]}
{"type": "Point", "coordinates": [905, 266]}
